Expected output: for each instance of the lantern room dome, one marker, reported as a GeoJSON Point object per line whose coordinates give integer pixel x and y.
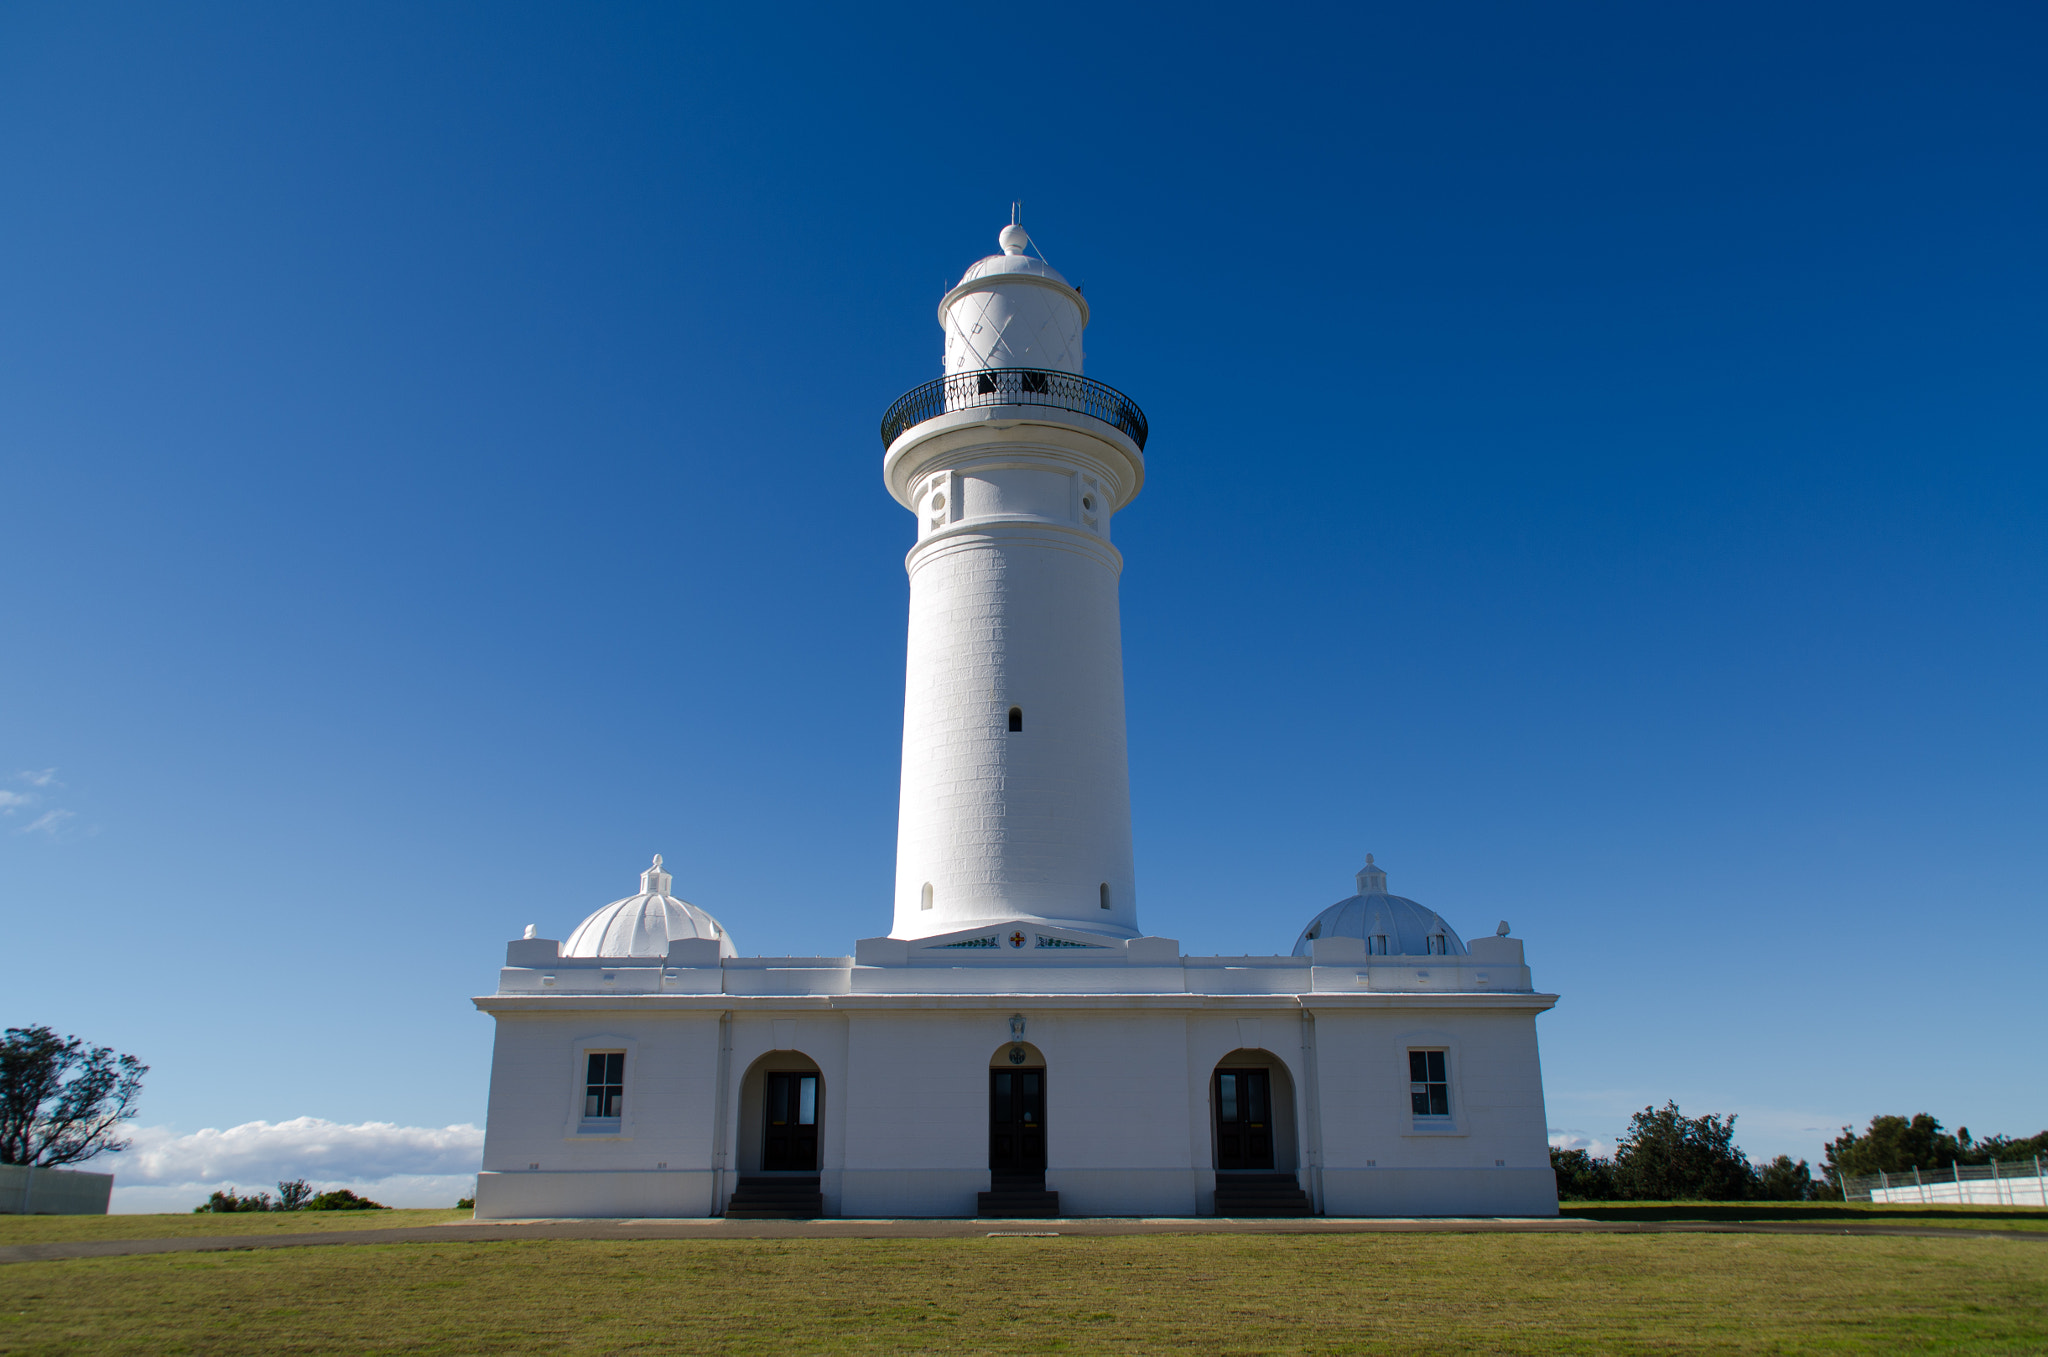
{"type": "Point", "coordinates": [1390, 925]}
{"type": "Point", "coordinates": [644, 925]}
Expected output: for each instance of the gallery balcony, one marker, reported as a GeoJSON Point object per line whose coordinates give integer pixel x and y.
{"type": "Point", "coordinates": [1015, 386]}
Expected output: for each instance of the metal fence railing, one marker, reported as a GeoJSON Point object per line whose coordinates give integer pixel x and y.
{"type": "Point", "coordinates": [2011, 1182]}
{"type": "Point", "coordinates": [1015, 386]}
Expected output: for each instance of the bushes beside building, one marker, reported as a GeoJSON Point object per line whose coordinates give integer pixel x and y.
{"type": "Point", "coordinates": [1668, 1156]}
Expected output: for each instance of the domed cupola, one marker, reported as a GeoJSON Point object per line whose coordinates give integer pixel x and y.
{"type": "Point", "coordinates": [643, 925]}
{"type": "Point", "coordinates": [1389, 925]}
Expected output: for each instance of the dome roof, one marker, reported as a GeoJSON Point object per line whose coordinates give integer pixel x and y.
{"type": "Point", "coordinates": [1013, 263]}
{"type": "Point", "coordinates": [644, 924]}
{"type": "Point", "coordinates": [1372, 914]}
{"type": "Point", "coordinates": [1014, 240]}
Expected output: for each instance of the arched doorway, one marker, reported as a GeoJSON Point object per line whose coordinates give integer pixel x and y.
{"type": "Point", "coordinates": [1251, 1108]}
{"type": "Point", "coordinates": [1016, 1110]}
{"type": "Point", "coordinates": [782, 1114]}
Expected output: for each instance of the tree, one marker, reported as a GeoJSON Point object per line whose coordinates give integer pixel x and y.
{"type": "Point", "coordinates": [292, 1196]}
{"type": "Point", "coordinates": [1895, 1145]}
{"type": "Point", "coordinates": [1581, 1177]}
{"type": "Point", "coordinates": [1901, 1144]}
{"type": "Point", "coordinates": [1781, 1180]}
{"type": "Point", "coordinates": [61, 1101]}
{"type": "Point", "coordinates": [1668, 1156]}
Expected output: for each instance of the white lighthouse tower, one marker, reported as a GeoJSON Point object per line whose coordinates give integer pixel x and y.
{"type": "Point", "coordinates": [1016, 801]}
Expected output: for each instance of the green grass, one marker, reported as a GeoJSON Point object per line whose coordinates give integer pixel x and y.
{"type": "Point", "coordinates": [64, 1229]}
{"type": "Point", "coordinates": [1237, 1294]}
{"type": "Point", "coordinates": [1819, 1213]}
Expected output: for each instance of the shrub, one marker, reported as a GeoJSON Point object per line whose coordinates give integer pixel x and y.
{"type": "Point", "coordinates": [341, 1199]}
{"type": "Point", "coordinates": [1581, 1177]}
{"type": "Point", "coordinates": [465, 1203]}
{"type": "Point", "coordinates": [1668, 1156]}
{"type": "Point", "coordinates": [222, 1201]}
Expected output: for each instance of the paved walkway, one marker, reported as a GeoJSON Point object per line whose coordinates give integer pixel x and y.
{"type": "Point", "coordinates": [485, 1232]}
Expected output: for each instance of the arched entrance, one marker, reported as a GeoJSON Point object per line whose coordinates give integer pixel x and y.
{"type": "Point", "coordinates": [782, 1114]}
{"type": "Point", "coordinates": [1251, 1107]}
{"type": "Point", "coordinates": [1016, 1110]}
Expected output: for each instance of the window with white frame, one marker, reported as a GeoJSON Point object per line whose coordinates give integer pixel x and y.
{"type": "Point", "coordinates": [1376, 945]}
{"type": "Point", "coordinates": [1429, 1083]}
{"type": "Point", "coordinates": [604, 1086]}
{"type": "Point", "coordinates": [1435, 943]}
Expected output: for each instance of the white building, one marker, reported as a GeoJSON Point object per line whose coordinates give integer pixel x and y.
{"type": "Point", "coordinates": [1017, 1043]}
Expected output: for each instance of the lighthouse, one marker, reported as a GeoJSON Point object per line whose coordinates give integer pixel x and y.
{"type": "Point", "coordinates": [1015, 796]}
{"type": "Point", "coordinates": [1017, 1045]}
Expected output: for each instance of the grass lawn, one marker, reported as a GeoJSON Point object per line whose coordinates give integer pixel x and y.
{"type": "Point", "coordinates": [1821, 1213]}
{"type": "Point", "coordinates": [64, 1229]}
{"type": "Point", "coordinates": [1121, 1295]}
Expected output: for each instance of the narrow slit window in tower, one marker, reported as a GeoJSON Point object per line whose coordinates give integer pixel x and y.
{"type": "Point", "coordinates": [924, 900]}
{"type": "Point", "coordinates": [1105, 895]}
{"type": "Point", "coordinates": [1016, 719]}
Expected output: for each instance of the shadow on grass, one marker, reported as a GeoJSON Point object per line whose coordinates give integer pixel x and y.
{"type": "Point", "coordinates": [1799, 1211]}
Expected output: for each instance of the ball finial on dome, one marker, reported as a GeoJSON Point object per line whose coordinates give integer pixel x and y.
{"type": "Point", "coordinates": [1013, 239]}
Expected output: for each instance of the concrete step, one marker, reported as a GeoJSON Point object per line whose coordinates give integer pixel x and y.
{"type": "Point", "coordinates": [1017, 1204]}
{"type": "Point", "coordinates": [1261, 1194]}
{"type": "Point", "coordinates": [794, 1198]}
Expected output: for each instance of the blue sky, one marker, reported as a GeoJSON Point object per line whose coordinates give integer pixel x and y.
{"type": "Point", "coordinates": [1596, 467]}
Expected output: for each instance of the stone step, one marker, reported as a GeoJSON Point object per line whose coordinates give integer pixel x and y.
{"type": "Point", "coordinates": [794, 1198]}
{"type": "Point", "coordinates": [1013, 1204]}
{"type": "Point", "coordinates": [1261, 1194]}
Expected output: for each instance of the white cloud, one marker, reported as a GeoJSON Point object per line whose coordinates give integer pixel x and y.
{"type": "Point", "coordinates": [1579, 1140]}
{"type": "Point", "coordinates": [396, 1165]}
{"type": "Point", "coordinates": [10, 802]}
{"type": "Point", "coordinates": [41, 779]}
{"type": "Point", "coordinates": [300, 1148]}
{"type": "Point", "coordinates": [49, 822]}
{"type": "Point", "coordinates": [410, 1189]}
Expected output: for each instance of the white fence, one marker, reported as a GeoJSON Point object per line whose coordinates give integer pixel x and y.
{"type": "Point", "coordinates": [53, 1192]}
{"type": "Point", "coordinates": [2014, 1183]}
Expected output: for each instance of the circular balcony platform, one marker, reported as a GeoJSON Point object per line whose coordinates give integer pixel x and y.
{"type": "Point", "coordinates": [1015, 386]}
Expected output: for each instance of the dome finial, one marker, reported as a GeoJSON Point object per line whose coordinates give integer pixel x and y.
{"type": "Point", "coordinates": [654, 881]}
{"type": "Point", "coordinates": [1014, 237]}
{"type": "Point", "coordinates": [657, 859]}
{"type": "Point", "coordinates": [1371, 880]}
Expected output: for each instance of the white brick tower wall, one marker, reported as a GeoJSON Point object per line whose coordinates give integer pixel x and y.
{"type": "Point", "coordinates": [1013, 608]}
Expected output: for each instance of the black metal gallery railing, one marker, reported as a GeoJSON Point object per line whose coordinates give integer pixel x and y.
{"type": "Point", "coordinates": [1014, 386]}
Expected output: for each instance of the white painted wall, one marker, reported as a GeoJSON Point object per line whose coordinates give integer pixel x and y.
{"type": "Point", "coordinates": [1128, 1110]}
{"type": "Point", "coordinates": [1006, 614]}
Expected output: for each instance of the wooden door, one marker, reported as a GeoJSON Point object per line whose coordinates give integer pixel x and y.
{"type": "Point", "coordinates": [1244, 1120]}
{"type": "Point", "coordinates": [1016, 1121]}
{"type": "Point", "coordinates": [792, 1123]}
